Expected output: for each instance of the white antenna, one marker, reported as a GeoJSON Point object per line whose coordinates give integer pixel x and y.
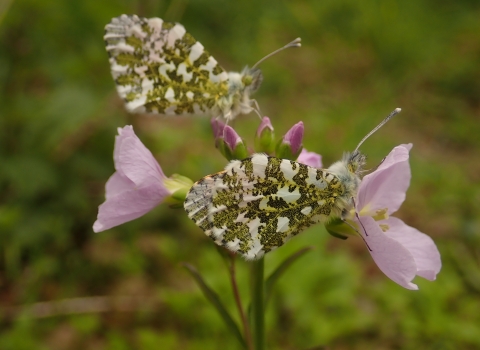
{"type": "Point", "coordinates": [390, 116]}
{"type": "Point", "coordinates": [295, 43]}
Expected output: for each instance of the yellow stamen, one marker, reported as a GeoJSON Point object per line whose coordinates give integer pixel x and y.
{"type": "Point", "coordinates": [380, 214]}
{"type": "Point", "coordinates": [384, 227]}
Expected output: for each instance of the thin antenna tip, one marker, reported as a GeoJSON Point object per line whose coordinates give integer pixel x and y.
{"type": "Point", "coordinates": [390, 116]}
{"type": "Point", "coordinates": [296, 43]}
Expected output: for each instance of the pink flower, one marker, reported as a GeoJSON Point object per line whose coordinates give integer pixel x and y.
{"type": "Point", "coordinates": [310, 158]}
{"type": "Point", "coordinates": [400, 251]}
{"type": "Point", "coordinates": [137, 186]}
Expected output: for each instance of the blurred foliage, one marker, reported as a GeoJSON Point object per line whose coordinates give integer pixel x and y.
{"type": "Point", "coordinates": [58, 117]}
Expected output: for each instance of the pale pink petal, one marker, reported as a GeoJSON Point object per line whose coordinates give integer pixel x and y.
{"type": "Point", "coordinates": [310, 158]}
{"type": "Point", "coordinates": [134, 160]}
{"type": "Point", "coordinates": [117, 184]}
{"type": "Point", "coordinates": [128, 205]}
{"type": "Point", "coordinates": [386, 186]}
{"type": "Point", "coordinates": [421, 246]}
{"type": "Point", "coordinates": [395, 156]}
{"type": "Point", "coordinates": [135, 188]}
{"type": "Point", "coordinates": [391, 256]}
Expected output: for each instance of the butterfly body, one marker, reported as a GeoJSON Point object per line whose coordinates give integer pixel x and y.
{"type": "Point", "coordinates": [257, 204]}
{"type": "Point", "coordinates": [160, 68]}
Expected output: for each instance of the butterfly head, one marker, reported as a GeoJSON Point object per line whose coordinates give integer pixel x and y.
{"type": "Point", "coordinates": [240, 87]}
{"type": "Point", "coordinates": [252, 79]}
{"type": "Point", "coordinates": [348, 171]}
{"type": "Point", "coordinates": [355, 162]}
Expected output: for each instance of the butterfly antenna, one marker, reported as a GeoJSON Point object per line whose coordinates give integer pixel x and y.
{"type": "Point", "coordinates": [295, 43]}
{"type": "Point", "coordinates": [390, 116]}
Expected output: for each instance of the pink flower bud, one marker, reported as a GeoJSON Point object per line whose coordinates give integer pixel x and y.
{"type": "Point", "coordinates": [294, 137]}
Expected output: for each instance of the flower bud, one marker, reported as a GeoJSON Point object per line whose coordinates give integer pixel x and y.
{"type": "Point", "coordinates": [264, 137]}
{"type": "Point", "coordinates": [231, 144]}
{"type": "Point", "coordinates": [217, 128]}
{"type": "Point", "coordinates": [291, 144]}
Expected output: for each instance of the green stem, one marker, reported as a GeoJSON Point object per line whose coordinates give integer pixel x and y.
{"type": "Point", "coordinates": [258, 314]}
{"type": "Point", "coordinates": [238, 301]}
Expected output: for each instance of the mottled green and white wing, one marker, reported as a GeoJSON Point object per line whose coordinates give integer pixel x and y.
{"type": "Point", "coordinates": [160, 68]}
{"type": "Point", "coordinates": [257, 204]}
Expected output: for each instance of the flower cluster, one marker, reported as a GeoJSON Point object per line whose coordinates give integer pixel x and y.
{"type": "Point", "coordinates": [400, 251]}
{"type": "Point", "coordinates": [139, 184]}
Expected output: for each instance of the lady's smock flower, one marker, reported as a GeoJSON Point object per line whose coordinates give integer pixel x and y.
{"type": "Point", "coordinates": [137, 186]}
{"type": "Point", "coordinates": [400, 251]}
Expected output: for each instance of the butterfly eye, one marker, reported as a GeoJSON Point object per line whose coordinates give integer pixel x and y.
{"type": "Point", "coordinates": [247, 80]}
{"type": "Point", "coordinates": [252, 79]}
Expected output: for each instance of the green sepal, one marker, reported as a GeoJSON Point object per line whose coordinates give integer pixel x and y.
{"type": "Point", "coordinates": [179, 186]}
{"type": "Point", "coordinates": [280, 270]}
{"type": "Point", "coordinates": [265, 142]}
{"type": "Point", "coordinates": [180, 194]}
{"type": "Point", "coordinates": [213, 298]}
{"type": "Point", "coordinates": [284, 151]}
{"type": "Point", "coordinates": [223, 148]}
{"type": "Point", "coordinates": [339, 229]}
{"type": "Point", "coordinates": [240, 151]}
{"type": "Point", "coordinates": [182, 179]}
{"type": "Point", "coordinates": [176, 205]}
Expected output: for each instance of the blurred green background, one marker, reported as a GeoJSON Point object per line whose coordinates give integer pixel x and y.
{"type": "Point", "coordinates": [59, 113]}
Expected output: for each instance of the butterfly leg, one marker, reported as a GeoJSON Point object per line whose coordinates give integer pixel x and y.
{"type": "Point", "coordinates": [256, 108]}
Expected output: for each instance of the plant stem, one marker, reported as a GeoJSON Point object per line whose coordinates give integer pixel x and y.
{"type": "Point", "coordinates": [238, 301]}
{"type": "Point", "coordinates": [258, 314]}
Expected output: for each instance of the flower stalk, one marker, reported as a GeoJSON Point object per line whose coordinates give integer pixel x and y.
{"type": "Point", "coordinates": [258, 309]}
{"type": "Point", "coordinates": [238, 302]}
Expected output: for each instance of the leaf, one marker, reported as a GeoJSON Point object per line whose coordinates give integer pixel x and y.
{"type": "Point", "coordinates": [280, 270]}
{"type": "Point", "coordinates": [212, 296]}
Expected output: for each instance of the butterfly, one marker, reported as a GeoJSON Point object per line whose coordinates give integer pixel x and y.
{"type": "Point", "coordinates": [257, 204]}
{"type": "Point", "coordinates": [160, 68]}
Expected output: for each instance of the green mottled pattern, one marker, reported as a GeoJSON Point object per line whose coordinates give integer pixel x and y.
{"type": "Point", "coordinates": [257, 204]}
{"type": "Point", "coordinates": [137, 57]}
